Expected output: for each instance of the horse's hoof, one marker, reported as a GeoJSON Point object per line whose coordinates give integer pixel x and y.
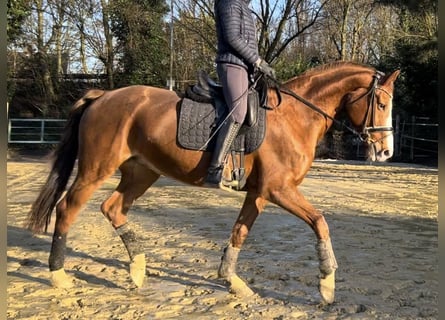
{"type": "Point", "coordinates": [239, 287]}
{"type": "Point", "coordinates": [327, 288]}
{"type": "Point", "coordinates": [137, 269]}
{"type": "Point", "coordinates": [60, 279]}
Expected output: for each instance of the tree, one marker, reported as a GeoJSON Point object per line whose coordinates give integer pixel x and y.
{"type": "Point", "coordinates": [194, 38]}
{"type": "Point", "coordinates": [42, 42]}
{"type": "Point", "coordinates": [78, 13]}
{"type": "Point", "coordinates": [95, 45]}
{"type": "Point", "coordinates": [282, 22]}
{"type": "Point", "coordinates": [283, 28]}
{"type": "Point", "coordinates": [357, 30]}
{"type": "Point", "coordinates": [17, 12]}
{"type": "Point", "coordinates": [128, 41]}
{"type": "Point", "coordinates": [141, 40]}
{"type": "Point", "coordinates": [415, 52]}
{"type": "Point", "coordinates": [108, 56]}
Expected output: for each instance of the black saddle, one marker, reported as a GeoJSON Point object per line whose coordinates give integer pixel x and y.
{"type": "Point", "coordinates": [203, 109]}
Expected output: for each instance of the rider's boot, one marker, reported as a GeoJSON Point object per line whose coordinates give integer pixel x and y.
{"type": "Point", "coordinates": [226, 135]}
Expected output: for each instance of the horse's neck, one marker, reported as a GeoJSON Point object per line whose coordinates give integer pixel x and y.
{"type": "Point", "coordinates": [327, 91]}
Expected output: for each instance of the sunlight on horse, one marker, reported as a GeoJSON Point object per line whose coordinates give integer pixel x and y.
{"type": "Point", "coordinates": [134, 129]}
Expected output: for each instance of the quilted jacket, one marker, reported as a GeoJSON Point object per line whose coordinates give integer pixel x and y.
{"type": "Point", "coordinates": [235, 28]}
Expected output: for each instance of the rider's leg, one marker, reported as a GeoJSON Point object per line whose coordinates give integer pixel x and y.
{"type": "Point", "coordinates": [234, 80]}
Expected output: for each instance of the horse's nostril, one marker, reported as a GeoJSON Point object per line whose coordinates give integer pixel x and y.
{"type": "Point", "coordinates": [387, 153]}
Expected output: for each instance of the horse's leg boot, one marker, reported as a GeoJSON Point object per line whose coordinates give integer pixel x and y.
{"type": "Point", "coordinates": [226, 135]}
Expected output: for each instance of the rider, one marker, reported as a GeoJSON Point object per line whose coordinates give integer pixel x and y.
{"type": "Point", "coordinates": [237, 58]}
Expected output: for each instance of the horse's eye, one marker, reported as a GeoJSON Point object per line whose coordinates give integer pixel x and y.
{"type": "Point", "coordinates": [381, 106]}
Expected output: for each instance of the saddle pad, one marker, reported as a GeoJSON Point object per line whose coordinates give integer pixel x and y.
{"type": "Point", "coordinates": [197, 122]}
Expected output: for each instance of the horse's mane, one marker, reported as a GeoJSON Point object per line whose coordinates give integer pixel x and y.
{"type": "Point", "coordinates": [329, 66]}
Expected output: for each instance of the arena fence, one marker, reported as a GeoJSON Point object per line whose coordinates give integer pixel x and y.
{"type": "Point", "coordinates": [417, 138]}
{"type": "Point", "coordinates": [414, 139]}
{"type": "Point", "coordinates": [36, 131]}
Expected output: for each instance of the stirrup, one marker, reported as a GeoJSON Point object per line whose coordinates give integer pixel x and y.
{"type": "Point", "coordinates": [233, 185]}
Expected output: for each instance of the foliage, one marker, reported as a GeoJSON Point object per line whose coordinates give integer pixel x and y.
{"type": "Point", "coordinates": [194, 41]}
{"type": "Point", "coordinates": [129, 43]}
{"type": "Point", "coordinates": [141, 35]}
{"type": "Point", "coordinates": [416, 54]}
{"type": "Point", "coordinates": [17, 12]}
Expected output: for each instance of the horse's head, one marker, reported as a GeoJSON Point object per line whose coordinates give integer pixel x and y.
{"type": "Point", "coordinates": [370, 111]}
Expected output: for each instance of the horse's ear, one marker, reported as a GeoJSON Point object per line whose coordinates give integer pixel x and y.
{"type": "Point", "coordinates": [391, 78]}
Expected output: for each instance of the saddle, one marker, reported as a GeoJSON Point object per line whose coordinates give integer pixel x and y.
{"type": "Point", "coordinates": [202, 110]}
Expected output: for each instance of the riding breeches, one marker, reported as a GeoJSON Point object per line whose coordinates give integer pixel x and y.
{"type": "Point", "coordinates": [234, 80]}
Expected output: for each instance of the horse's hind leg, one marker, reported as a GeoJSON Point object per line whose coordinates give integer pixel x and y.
{"type": "Point", "coordinates": [135, 180]}
{"type": "Point", "coordinates": [66, 212]}
{"type": "Point", "coordinates": [252, 207]}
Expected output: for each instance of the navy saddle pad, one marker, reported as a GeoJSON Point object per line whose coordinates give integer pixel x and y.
{"type": "Point", "coordinates": [198, 121]}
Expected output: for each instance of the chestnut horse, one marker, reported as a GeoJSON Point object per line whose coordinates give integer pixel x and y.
{"type": "Point", "coordinates": [134, 129]}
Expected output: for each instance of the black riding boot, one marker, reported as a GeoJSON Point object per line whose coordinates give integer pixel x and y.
{"type": "Point", "coordinates": [226, 135]}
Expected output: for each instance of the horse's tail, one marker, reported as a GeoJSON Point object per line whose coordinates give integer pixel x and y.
{"type": "Point", "coordinates": [64, 159]}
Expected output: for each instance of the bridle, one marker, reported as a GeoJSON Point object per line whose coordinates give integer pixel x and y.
{"type": "Point", "coordinates": [368, 125]}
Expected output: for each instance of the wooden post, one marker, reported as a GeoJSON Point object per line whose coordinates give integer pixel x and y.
{"type": "Point", "coordinates": [413, 121]}
{"type": "Point", "coordinates": [397, 137]}
{"type": "Point", "coordinates": [357, 155]}
{"type": "Point", "coordinates": [42, 130]}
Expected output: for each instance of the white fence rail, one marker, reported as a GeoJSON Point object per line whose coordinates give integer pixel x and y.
{"type": "Point", "coordinates": [35, 130]}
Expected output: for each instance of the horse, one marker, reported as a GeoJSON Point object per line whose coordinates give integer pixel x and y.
{"type": "Point", "coordinates": [133, 129]}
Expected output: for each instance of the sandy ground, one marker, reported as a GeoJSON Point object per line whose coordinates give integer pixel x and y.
{"type": "Point", "coordinates": [383, 221]}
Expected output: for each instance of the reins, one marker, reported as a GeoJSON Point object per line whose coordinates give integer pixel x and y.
{"type": "Point", "coordinates": [318, 110]}
{"type": "Point", "coordinates": [364, 135]}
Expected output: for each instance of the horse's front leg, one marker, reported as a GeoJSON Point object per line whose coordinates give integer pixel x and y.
{"type": "Point", "coordinates": [291, 199]}
{"type": "Point", "coordinates": [252, 206]}
{"type": "Point", "coordinates": [328, 265]}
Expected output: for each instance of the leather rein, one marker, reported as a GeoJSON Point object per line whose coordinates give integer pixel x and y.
{"type": "Point", "coordinates": [365, 134]}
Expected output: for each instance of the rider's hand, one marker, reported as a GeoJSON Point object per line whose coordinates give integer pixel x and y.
{"type": "Point", "coordinates": [265, 68]}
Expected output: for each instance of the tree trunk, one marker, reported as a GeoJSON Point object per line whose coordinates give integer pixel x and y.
{"type": "Point", "coordinates": [44, 70]}
{"type": "Point", "coordinates": [109, 57]}
{"type": "Point", "coordinates": [344, 31]}
{"type": "Point", "coordinates": [82, 53]}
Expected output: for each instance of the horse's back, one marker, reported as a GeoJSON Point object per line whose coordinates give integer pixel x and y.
{"type": "Point", "coordinates": [122, 107]}
{"type": "Point", "coordinates": [128, 100]}
{"type": "Point", "coordinates": [126, 118]}
{"type": "Point", "coordinates": [138, 123]}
